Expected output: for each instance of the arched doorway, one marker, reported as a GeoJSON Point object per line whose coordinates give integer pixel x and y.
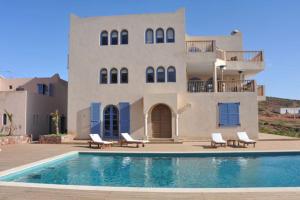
{"type": "Point", "coordinates": [111, 122]}
{"type": "Point", "coordinates": [161, 120]}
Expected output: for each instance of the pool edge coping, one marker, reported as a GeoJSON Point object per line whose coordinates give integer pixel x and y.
{"type": "Point", "coordinates": [141, 189]}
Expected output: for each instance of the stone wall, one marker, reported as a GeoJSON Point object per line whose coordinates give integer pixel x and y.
{"type": "Point", "coordinates": [20, 139]}
{"type": "Point", "coordinates": [50, 139]}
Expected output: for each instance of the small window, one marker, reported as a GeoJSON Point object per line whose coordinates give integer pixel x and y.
{"type": "Point", "coordinates": [160, 75]}
{"type": "Point", "coordinates": [4, 120]}
{"type": "Point", "coordinates": [124, 75]}
{"type": "Point", "coordinates": [171, 74]}
{"type": "Point", "coordinates": [103, 76]}
{"type": "Point", "coordinates": [149, 36]}
{"type": "Point", "coordinates": [10, 87]}
{"type": "Point", "coordinates": [150, 75]}
{"type": "Point", "coordinates": [229, 114]}
{"type": "Point", "coordinates": [114, 75]}
{"type": "Point", "coordinates": [160, 35]}
{"type": "Point", "coordinates": [42, 89]}
{"type": "Point", "coordinates": [170, 35]}
{"type": "Point", "coordinates": [124, 37]}
{"type": "Point", "coordinates": [104, 38]}
{"type": "Point", "coordinates": [114, 38]}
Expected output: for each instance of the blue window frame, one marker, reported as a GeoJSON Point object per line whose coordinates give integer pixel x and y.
{"type": "Point", "coordinates": [160, 75]}
{"type": "Point", "coordinates": [124, 37]}
{"type": "Point", "coordinates": [124, 108]}
{"type": "Point", "coordinates": [150, 75]}
{"type": "Point", "coordinates": [229, 114]}
{"type": "Point", "coordinates": [104, 38]}
{"type": "Point", "coordinates": [42, 88]}
{"type": "Point", "coordinates": [170, 35]}
{"type": "Point", "coordinates": [114, 37]}
{"type": "Point", "coordinates": [149, 37]}
{"type": "Point", "coordinates": [171, 71]}
{"type": "Point", "coordinates": [160, 38]}
{"type": "Point", "coordinates": [111, 122]}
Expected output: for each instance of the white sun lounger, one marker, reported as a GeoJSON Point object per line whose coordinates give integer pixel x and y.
{"type": "Point", "coordinates": [216, 138]}
{"type": "Point", "coordinates": [244, 139]}
{"type": "Point", "coordinates": [96, 139]}
{"type": "Point", "coordinates": [129, 140]}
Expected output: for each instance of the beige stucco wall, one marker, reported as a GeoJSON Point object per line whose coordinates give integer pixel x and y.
{"type": "Point", "coordinates": [87, 57]}
{"type": "Point", "coordinates": [31, 109]}
{"type": "Point", "coordinates": [202, 117]}
{"type": "Point", "coordinates": [15, 103]}
{"type": "Point", "coordinates": [198, 113]}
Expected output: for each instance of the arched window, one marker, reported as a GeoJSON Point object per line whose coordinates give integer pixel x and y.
{"type": "Point", "coordinates": [170, 35]}
{"type": "Point", "coordinates": [114, 75]}
{"type": "Point", "coordinates": [149, 38]}
{"type": "Point", "coordinates": [104, 38]}
{"type": "Point", "coordinates": [111, 121]}
{"type": "Point", "coordinates": [171, 74]}
{"type": "Point", "coordinates": [4, 120]}
{"type": "Point", "coordinates": [114, 37]}
{"type": "Point", "coordinates": [160, 75]}
{"type": "Point", "coordinates": [103, 76]}
{"type": "Point", "coordinates": [124, 75]}
{"type": "Point", "coordinates": [159, 35]}
{"type": "Point", "coordinates": [124, 37]}
{"type": "Point", "coordinates": [149, 75]}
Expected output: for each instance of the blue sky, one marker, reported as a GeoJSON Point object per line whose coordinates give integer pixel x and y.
{"type": "Point", "coordinates": [34, 33]}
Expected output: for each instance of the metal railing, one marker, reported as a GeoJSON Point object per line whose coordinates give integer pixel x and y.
{"type": "Point", "coordinates": [200, 86]}
{"type": "Point", "coordinates": [244, 56]}
{"type": "Point", "coordinates": [236, 86]}
{"type": "Point", "coordinates": [199, 46]}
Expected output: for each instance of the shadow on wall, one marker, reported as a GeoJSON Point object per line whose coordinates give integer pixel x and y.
{"type": "Point", "coordinates": [83, 124]}
{"type": "Point", "coordinates": [137, 117]}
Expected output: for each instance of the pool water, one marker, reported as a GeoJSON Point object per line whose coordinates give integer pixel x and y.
{"type": "Point", "coordinates": [167, 170]}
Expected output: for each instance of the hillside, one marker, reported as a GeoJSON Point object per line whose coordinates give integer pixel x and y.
{"type": "Point", "coordinates": [270, 121]}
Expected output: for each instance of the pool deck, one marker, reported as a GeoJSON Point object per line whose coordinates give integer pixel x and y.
{"type": "Point", "coordinates": [16, 155]}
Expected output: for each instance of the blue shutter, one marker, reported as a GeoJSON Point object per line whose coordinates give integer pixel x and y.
{"type": "Point", "coordinates": [50, 89]}
{"type": "Point", "coordinates": [40, 88]}
{"type": "Point", "coordinates": [229, 114]}
{"type": "Point", "coordinates": [95, 125]}
{"type": "Point", "coordinates": [223, 117]}
{"type": "Point", "coordinates": [234, 114]}
{"type": "Point", "coordinates": [124, 117]}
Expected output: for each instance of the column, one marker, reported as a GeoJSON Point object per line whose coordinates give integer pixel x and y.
{"type": "Point", "coordinates": [177, 125]}
{"type": "Point", "coordinates": [146, 125]}
{"type": "Point", "coordinates": [215, 79]}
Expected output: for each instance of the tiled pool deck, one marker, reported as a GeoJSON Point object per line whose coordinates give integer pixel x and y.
{"type": "Point", "coordinates": [16, 155]}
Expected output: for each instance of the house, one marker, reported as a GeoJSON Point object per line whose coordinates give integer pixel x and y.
{"type": "Point", "coordinates": [31, 101]}
{"type": "Point", "coordinates": [292, 111]}
{"type": "Point", "coordinates": [143, 74]}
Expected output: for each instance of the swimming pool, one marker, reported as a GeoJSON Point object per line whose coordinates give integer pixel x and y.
{"type": "Point", "coordinates": [166, 170]}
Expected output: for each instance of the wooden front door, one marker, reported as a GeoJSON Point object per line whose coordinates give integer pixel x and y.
{"type": "Point", "coordinates": [161, 120]}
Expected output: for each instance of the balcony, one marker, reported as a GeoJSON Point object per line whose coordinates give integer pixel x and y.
{"type": "Point", "coordinates": [236, 86]}
{"type": "Point", "coordinates": [194, 86]}
{"type": "Point", "coordinates": [199, 46]}
{"type": "Point", "coordinates": [242, 56]}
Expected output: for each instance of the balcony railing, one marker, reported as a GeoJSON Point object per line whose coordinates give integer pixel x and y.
{"type": "Point", "coordinates": [199, 46]}
{"type": "Point", "coordinates": [236, 86]}
{"type": "Point", "coordinates": [244, 56]}
{"type": "Point", "coordinates": [200, 86]}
